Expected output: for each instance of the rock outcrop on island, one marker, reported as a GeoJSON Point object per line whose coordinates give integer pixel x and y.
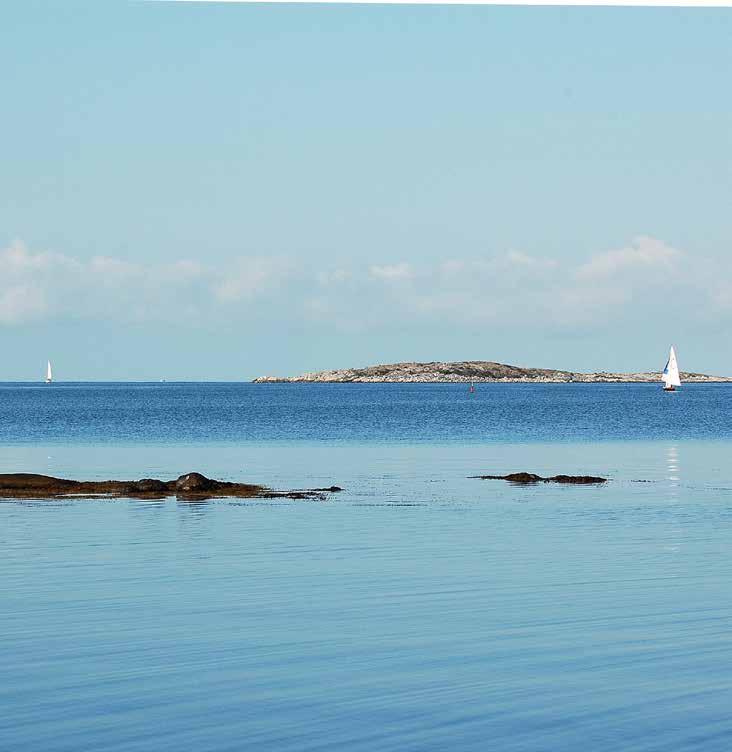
{"type": "Point", "coordinates": [188, 486]}
{"type": "Point", "coordinates": [475, 370]}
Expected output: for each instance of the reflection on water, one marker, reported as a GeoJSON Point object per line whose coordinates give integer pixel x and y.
{"type": "Point", "coordinates": [673, 472]}
{"type": "Point", "coordinates": [193, 506]}
{"type": "Point", "coordinates": [672, 465]}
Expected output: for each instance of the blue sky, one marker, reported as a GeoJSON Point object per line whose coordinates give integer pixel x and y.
{"type": "Point", "coordinates": [197, 191]}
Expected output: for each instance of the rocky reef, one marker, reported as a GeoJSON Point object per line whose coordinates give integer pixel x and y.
{"type": "Point", "coordinates": [475, 370]}
{"type": "Point", "coordinates": [187, 486]}
{"type": "Point", "coordinates": [526, 478]}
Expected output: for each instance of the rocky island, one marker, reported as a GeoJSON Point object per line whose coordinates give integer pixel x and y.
{"type": "Point", "coordinates": [192, 486]}
{"type": "Point", "coordinates": [478, 371]}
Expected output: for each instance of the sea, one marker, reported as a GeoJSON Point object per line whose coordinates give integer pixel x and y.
{"type": "Point", "coordinates": [419, 609]}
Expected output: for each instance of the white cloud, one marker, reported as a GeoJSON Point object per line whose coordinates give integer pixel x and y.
{"type": "Point", "coordinates": [391, 271]}
{"type": "Point", "coordinates": [509, 290]}
{"type": "Point", "coordinates": [334, 277]}
{"type": "Point", "coordinates": [20, 303]}
{"type": "Point", "coordinates": [113, 269]}
{"type": "Point", "coordinates": [34, 285]}
{"type": "Point", "coordinates": [644, 254]}
{"type": "Point", "coordinates": [523, 260]}
{"type": "Point", "coordinates": [452, 267]}
{"type": "Point", "coordinates": [250, 278]}
{"type": "Point", "coordinates": [26, 280]}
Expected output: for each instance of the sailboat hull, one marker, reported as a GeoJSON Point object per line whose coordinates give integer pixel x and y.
{"type": "Point", "coordinates": [669, 389]}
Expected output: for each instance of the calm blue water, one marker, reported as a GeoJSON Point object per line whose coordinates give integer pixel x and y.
{"type": "Point", "coordinates": [401, 413]}
{"type": "Point", "coordinates": [418, 610]}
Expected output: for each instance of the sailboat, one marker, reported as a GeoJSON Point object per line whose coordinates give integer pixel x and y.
{"type": "Point", "coordinates": [49, 374]}
{"type": "Point", "coordinates": [670, 374]}
{"type": "Point", "coordinates": [471, 389]}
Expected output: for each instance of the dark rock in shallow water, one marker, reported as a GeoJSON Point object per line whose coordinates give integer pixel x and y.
{"type": "Point", "coordinates": [189, 486]}
{"type": "Point", "coordinates": [31, 481]}
{"type": "Point", "coordinates": [525, 478]}
{"type": "Point", "coordinates": [522, 478]}
{"type": "Point", "coordinates": [580, 479]}
{"type": "Point", "coordinates": [195, 483]}
{"type": "Point", "coordinates": [149, 485]}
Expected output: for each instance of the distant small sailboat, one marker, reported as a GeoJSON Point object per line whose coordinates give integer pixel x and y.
{"type": "Point", "coordinates": [471, 389]}
{"type": "Point", "coordinates": [49, 373]}
{"type": "Point", "coordinates": [670, 374]}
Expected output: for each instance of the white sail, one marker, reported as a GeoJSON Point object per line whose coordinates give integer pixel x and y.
{"type": "Point", "coordinates": [49, 374]}
{"type": "Point", "coordinates": [671, 371]}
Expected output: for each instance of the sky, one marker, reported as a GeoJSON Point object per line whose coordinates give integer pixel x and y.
{"type": "Point", "coordinates": [222, 191]}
